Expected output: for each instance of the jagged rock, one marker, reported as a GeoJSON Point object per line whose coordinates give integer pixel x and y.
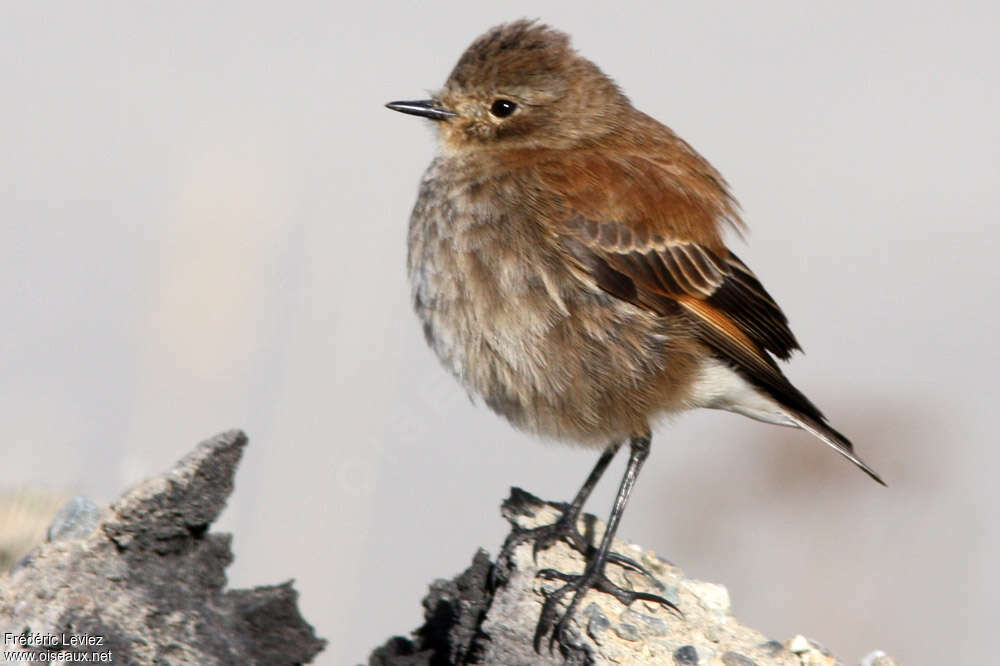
{"type": "Point", "coordinates": [469, 622]}
{"type": "Point", "coordinates": [145, 584]}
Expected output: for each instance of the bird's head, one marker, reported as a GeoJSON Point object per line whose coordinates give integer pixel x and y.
{"type": "Point", "coordinates": [521, 85]}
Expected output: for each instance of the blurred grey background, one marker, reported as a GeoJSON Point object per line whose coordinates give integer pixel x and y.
{"type": "Point", "coordinates": [203, 212]}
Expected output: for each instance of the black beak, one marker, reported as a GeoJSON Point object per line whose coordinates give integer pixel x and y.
{"type": "Point", "coordinates": [427, 108]}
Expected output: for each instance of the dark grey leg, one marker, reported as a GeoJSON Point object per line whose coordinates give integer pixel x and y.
{"type": "Point", "coordinates": [593, 575]}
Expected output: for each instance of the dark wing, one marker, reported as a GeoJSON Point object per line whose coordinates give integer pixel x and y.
{"type": "Point", "coordinates": [692, 273]}
{"type": "Point", "coordinates": [645, 240]}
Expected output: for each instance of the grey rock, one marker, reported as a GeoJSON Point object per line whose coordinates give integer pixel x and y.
{"type": "Point", "coordinates": [490, 613]}
{"type": "Point", "coordinates": [737, 659]}
{"type": "Point", "coordinates": [75, 520]}
{"type": "Point", "coordinates": [148, 582]}
{"type": "Point", "coordinates": [647, 625]}
{"type": "Point", "coordinates": [686, 655]}
{"type": "Point", "coordinates": [627, 631]}
{"type": "Point", "coordinates": [877, 658]}
{"type": "Point", "coordinates": [592, 610]}
{"type": "Point", "coordinates": [597, 623]}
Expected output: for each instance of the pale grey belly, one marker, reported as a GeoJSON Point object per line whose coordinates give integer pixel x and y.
{"type": "Point", "coordinates": [569, 364]}
{"type": "Point", "coordinates": [504, 314]}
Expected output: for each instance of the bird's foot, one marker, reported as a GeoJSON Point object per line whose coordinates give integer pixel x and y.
{"type": "Point", "coordinates": [592, 578]}
{"type": "Point", "coordinates": [541, 537]}
{"type": "Point", "coordinates": [545, 536]}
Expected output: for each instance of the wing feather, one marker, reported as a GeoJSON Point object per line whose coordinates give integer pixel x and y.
{"type": "Point", "coordinates": [649, 238]}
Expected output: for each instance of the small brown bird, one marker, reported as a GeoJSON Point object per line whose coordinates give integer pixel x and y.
{"type": "Point", "coordinates": [567, 263]}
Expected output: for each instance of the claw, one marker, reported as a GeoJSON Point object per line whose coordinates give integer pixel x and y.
{"type": "Point", "coordinates": [552, 574]}
{"type": "Point", "coordinates": [591, 578]}
{"type": "Point", "coordinates": [629, 563]}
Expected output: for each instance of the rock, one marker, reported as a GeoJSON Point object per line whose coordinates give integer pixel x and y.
{"type": "Point", "coordinates": [877, 658]}
{"type": "Point", "coordinates": [469, 621]}
{"type": "Point", "coordinates": [686, 655]}
{"type": "Point", "coordinates": [75, 520]}
{"type": "Point", "coordinates": [737, 659]}
{"type": "Point", "coordinates": [146, 583]}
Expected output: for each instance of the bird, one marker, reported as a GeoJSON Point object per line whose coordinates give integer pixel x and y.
{"type": "Point", "coordinates": [567, 263]}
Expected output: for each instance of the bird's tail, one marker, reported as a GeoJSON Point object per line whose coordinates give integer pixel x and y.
{"type": "Point", "coordinates": [832, 438]}
{"type": "Point", "coordinates": [775, 400]}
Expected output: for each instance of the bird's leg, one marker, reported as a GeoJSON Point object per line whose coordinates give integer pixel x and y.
{"type": "Point", "coordinates": [565, 528]}
{"type": "Point", "coordinates": [593, 575]}
{"type": "Point", "coordinates": [572, 513]}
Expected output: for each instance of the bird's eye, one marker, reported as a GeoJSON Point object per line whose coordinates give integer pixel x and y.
{"type": "Point", "coordinates": [502, 108]}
